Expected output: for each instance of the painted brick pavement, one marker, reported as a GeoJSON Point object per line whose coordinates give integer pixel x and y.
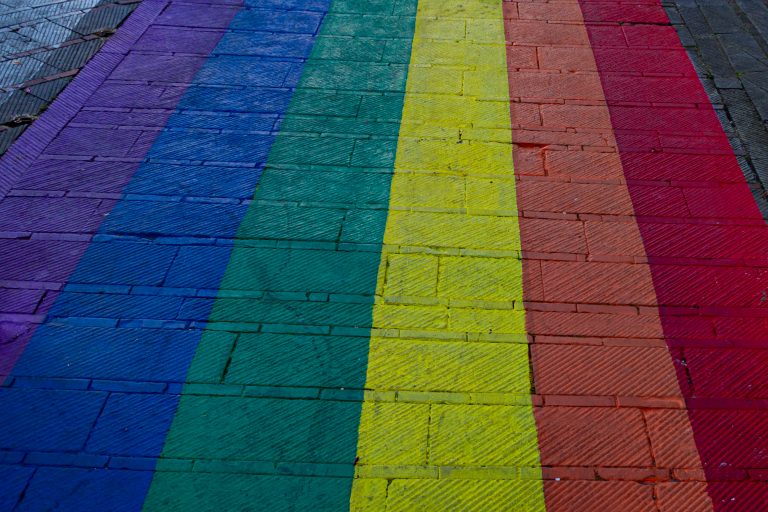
{"type": "Point", "coordinates": [391, 255]}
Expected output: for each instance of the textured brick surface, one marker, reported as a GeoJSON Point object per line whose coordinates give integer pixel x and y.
{"type": "Point", "coordinates": [708, 281]}
{"type": "Point", "coordinates": [384, 255]}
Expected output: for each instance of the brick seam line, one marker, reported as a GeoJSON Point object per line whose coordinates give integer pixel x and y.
{"type": "Point", "coordinates": [34, 140]}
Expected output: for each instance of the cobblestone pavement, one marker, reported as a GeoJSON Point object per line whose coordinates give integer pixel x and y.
{"type": "Point", "coordinates": [401, 255]}
{"type": "Point", "coordinates": [43, 44]}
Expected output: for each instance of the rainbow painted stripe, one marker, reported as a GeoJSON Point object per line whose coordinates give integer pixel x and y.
{"type": "Point", "coordinates": [477, 268]}
{"type": "Point", "coordinates": [448, 411]}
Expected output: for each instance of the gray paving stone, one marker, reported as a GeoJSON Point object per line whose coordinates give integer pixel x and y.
{"type": "Point", "coordinates": [720, 16]}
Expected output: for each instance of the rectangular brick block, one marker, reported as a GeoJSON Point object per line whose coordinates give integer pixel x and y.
{"type": "Point", "coordinates": [577, 436]}
{"type": "Point", "coordinates": [602, 283]}
{"type": "Point", "coordinates": [503, 436]}
{"type": "Point", "coordinates": [550, 236]}
{"type": "Point", "coordinates": [537, 33]}
{"type": "Point", "coordinates": [594, 325]}
{"type": "Point", "coordinates": [588, 370]}
{"type": "Point", "coordinates": [574, 198]}
{"type": "Point", "coordinates": [582, 496]}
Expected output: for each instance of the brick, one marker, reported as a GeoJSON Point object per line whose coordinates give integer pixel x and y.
{"type": "Point", "coordinates": [683, 167]}
{"type": "Point", "coordinates": [48, 419]}
{"type": "Point", "coordinates": [571, 436]}
{"type": "Point", "coordinates": [583, 165]}
{"type": "Point", "coordinates": [736, 431]}
{"type": "Point", "coordinates": [72, 487]}
{"type": "Point", "coordinates": [691, 287]}
{"type": "Point", "coordinates": [585, 370]}
{"type": "Point", "coordinates": [594, 324]}
{"type": "Point", "coordinates": [543, 85]}
{"type": "Point", "coordinates": [583, 282]}
{"type": "Point", "coordinates": [567, 59]}
{"type": "Point", "coordinates": [501, 278]}
{"type": "Point", "coordinates": [535, 33]}
{"type": "Point", "coordinates": [743, 379]}
{"type": "Point", "coordinates": [650, 14]}
{"type": "Point", "coordinates": [419, 229]}
{"type": "Point", "coordinates": [77, 176]}
{"type": "Point", "coordinates": [119, 354]}
{"type": "Point", "coordinates": [628, 60]}
{"type": "Point", "coordinates": [525, 114]}
{"type": "Point", "coordinates": [269, 20]}
{"type": "Point", "coordinates": [121, 431]}
{"type": "Point", "coordinates": [504, 438]}
{"type": "Point", "coordinates": [146, 264]}
{"type": "Point", "coordinates": [586, 496]}
{"type": "Point", "coordinates": [276, 440]}
{"type": "Point", "coordinates": [733, 201]}
{"type": "Point", "coordinates": [573, 116]}
{"type": "Point", "coordinates": [690, 495]}
{"type": "Point", "coordinates": [19, 301]}
{"type": "Point", "coordinates": [543, 235]}
{"type": "Point", "coordinates": [614, 238]}
{"type": "Point", "coordinates": [292, 360]}
{"type": "Point", "coordinates": [549, 12]}
{"type": "Point", "coordinates": [15, 479]}
{"type": "Point", "coordinates": [63, 215]}
{"type": "Point", "coordinates": [527, 160]}
{"type": "Point", "coordinates": [521, 57]}
{"type": "Point", "coordinates": [444, 366]}
{"type": "Point", "coordinates": [407, 424]}
{"type": "Point", "coordinates": [179, 219]}
{"type": "Point", "coordinates": [178, 39]}
{"type": "Point", "coordinates": [575, 198]}
{"type": "Point", "coordinates": [115, 306]}
{"type": "Point", "coordinates": [650, 36]}
{"type": "Point", "coordinates": [406, 494]}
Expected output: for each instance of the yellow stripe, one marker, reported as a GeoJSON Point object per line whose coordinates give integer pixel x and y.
{"type": "Point", "coordinates": [448, 422]}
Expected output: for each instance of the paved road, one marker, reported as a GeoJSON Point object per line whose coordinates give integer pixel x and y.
{"type": "Point", "coordinates": [392, 255]}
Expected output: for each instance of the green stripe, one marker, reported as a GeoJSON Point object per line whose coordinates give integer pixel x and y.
{"type": "Point", "coordinates": [263, 417]}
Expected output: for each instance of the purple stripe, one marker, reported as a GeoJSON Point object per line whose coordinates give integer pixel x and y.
{"type": "Point", "coordinates": [44, 265]}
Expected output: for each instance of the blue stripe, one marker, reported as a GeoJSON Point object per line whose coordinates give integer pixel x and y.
{"type": "Point", "coordinates": [124, 370]}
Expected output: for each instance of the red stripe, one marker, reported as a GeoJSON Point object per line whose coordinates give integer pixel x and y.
{"type": "Point", "coordinates": [705, 238]}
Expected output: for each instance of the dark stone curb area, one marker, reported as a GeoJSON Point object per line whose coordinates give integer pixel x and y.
{"type": "Point", "coordinates": [727, 41]}
{"type": "Point", "coordinates": [37, 62]}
